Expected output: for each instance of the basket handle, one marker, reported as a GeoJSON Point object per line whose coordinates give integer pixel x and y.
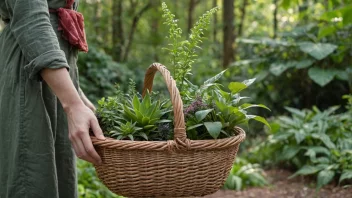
{"type": "Point", "coordinates": [179, 123]}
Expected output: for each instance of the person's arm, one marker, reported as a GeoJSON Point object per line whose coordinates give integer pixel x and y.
{"type": "Point", "coordinates": [86, 101]}
{"type": "Point", "coordinates": [80, 117]}
{"type": "Point", "coordinates": [30, 25]}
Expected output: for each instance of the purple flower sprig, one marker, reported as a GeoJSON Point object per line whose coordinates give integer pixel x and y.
{"type": "Point", "coordinates": [195, 106]}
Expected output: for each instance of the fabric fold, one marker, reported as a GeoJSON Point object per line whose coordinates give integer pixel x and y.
{"type": "Point", "coordinates": [54, 59]}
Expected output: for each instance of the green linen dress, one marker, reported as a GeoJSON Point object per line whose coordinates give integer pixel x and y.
{"type": "Point", "coordinates": [36, 157]}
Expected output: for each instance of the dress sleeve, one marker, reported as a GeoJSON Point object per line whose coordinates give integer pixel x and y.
{"type": "Point", "coordinates": [30, 25]}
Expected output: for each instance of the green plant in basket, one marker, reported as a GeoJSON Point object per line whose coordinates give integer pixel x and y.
{"type": "Point", "coordinates": [128, 116]}
{"type": "Point", "coordinates": [225, 112]}
{"type": "Point", "coordinates": [210, 110]}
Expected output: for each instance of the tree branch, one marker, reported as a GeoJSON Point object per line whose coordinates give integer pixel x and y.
{"type": "Point", "coordinates": [133, 28]}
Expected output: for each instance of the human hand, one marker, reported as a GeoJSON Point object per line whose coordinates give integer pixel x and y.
{"type": "Point", "coordinates": [80, 120]}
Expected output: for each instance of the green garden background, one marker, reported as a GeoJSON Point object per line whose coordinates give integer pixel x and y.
{"type": "Point", "coordinates": [299, 51]}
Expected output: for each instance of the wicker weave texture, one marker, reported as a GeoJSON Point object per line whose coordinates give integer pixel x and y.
{"type": "Point", "coordinates": [174, 168]}
{"type": "Point", "coordinates": [156, 174]}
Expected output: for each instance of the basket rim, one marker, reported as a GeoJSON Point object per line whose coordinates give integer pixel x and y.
{"type": "Point", "coordinates": [172, 145]}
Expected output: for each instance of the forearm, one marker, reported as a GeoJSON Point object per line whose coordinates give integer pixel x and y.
{"type": "Point", "coordinates": [61, 84]}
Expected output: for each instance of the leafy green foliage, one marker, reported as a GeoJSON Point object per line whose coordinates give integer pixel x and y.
{"type": "Point", "coordinates": [130, 117]}
{"type": "Point", "coordinates": [211, 112]}
{"type": "Point", "coordinates": [89, 186]}
{"type": "Point", "coordinates": [307, 62]}
{"type": "Point", "coordinates": [244, 174]}
{"type": "Point", "coordinates": [183, 53]}
{"type": "Point", "coordinates": [216, 111]}
{"type": "Point", "coordinates": [99, 73]}
{"type": "Point", "coordinates": [314, 142]}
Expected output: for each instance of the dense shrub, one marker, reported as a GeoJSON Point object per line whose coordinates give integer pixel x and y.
{"type": "Point", "coordinates": [245, 174]}
{"type": "Point", "coordinates": [99, 74]}
{"type": "Point", "coordinates": [313, 142]}
{"type": "Point", "coordinates": [89, 186]}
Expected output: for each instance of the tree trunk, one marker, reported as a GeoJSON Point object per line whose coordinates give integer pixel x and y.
{"type": "Point", "coordinates": [215, 22]}
{"type": "Point", "coordinates": [243, 15]}
{"type": "Point", "coordinates": [117, 30]}
{"type": "Point", "coordinates": [192, 5]}
{"type": "Point", "coordinates": [133, 29]}
{"type": "Point", "coordinates": [228, 29]}
{"type": "Point", "coordinates": [155, 35]}
{"type": "Point", "coordinates": [96, 17]}
{"type": "Point", "coordinates": [275, 19]}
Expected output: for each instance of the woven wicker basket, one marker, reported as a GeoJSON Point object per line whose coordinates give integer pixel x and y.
{"type": "Point", "coordinates": [174, 168]}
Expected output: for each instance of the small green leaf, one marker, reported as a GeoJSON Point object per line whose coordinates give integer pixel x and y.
{"type": "Point", "coordinates": [249, 82]}
{"type": "Point", "coordinates": [304, 63]}
{"type": "Point", "coordinates": [131, 137]}
{"type": "Point", "coordinates": [194, 126]}
{"type": "Point", "coordinates": [136, 102]}
{"type": "Point", "coordinates": [200, 115]}
{"type": "Point", "coordinates": [143, 135]}
{"type": "Point", "coordinates": [318, 50]}
{"type": "Point", "coordinates": [236, 87]}
{"type": "Point", "coordinates": [297, 112]}
{"type": "Point", "coordinates": [306, 170]}
{"type": "Point", "coordinates": [324, 177]}
{"type": "Point", "coordinates": [215, 78]}
{"type": "Point", "coordinates": [346, 174]}
{"type": "Point", "coordinates": [214, 128]}
{"type": "Point", "coordinates": [247, 105]}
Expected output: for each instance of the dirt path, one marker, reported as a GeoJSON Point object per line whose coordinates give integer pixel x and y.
{"type": "Point", "coordinates": [299, 187]}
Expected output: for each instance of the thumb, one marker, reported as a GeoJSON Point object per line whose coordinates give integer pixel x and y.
{"type": "Point", "coordinates": [96, 129]}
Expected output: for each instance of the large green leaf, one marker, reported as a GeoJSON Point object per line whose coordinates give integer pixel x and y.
{"type": "Point", "coordinates": [289, 152]}
{"type": "Point", "coordinates": [286, 4]}
{"type": "Point", "coordinates": [300, 135]}
{"type": "Point", "coordinates": [347, 15]}
{"type": "Point", "coordinates": [304, 63]}
{"type": "Point", "coordinates": [317, 50]}
{"type": "Point", "coordinates": [236, 87]}
{"type": "Point", "coordinates": [346, 174]}
{"type": "Point", "coordinates": [318, 149]}
{"type": "Point", "coordinates": [321, 76]}
{"type": "Point", "coordinates": [297, 112]}
{"type": "Point", "coordinates": [306, 170]}
{"type": "Point", "coordinates": [324, 177]}
{"type": "Point", "coordinates": [278, 68]}
{"type": "Point", "coordinates": [327, 141]}
{"type": "Point", "coordinates": [214, 128]}
{"type": "Point", "coordinates": [326, 30]}
{"type": "Point", "coordinates": [200, 115]}
{"type": "Point", "coordinates": [259, 119]}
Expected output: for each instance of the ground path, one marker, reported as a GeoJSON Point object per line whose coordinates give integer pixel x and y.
{"type": "Point", "coordinates": [299, 187]}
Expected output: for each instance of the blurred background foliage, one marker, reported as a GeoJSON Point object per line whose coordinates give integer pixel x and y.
{"type": "Point", "coordinates": [300, 52]}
